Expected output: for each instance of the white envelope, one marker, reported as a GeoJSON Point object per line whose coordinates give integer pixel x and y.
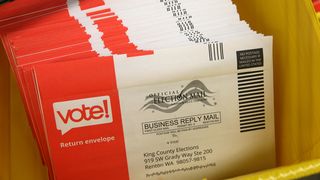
{"type": "Point", "coordinates": [204, 111]}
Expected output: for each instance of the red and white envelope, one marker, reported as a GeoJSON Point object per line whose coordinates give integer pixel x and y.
{"type": "Point", "coordinates": [183, 116]}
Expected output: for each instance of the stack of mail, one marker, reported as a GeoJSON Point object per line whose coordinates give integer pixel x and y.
{"type": "Point", "coordinates": [137, 89]}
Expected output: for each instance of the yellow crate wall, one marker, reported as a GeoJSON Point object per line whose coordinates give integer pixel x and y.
{"type": "Point", "coordinates": [296, 34]}
{"type": "Point", "coordinates": [19, 156]}
{"type": "Point", "coordinates": [25, 158]}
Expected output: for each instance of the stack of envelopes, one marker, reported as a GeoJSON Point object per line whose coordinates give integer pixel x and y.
{"type": "Point", "coordinates": [137, 89]}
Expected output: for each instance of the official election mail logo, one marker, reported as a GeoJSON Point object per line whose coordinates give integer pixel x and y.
{"type": "Point", "coordinates": [172, 100]}
{"type": "Point", "coordinates": [82, 112]}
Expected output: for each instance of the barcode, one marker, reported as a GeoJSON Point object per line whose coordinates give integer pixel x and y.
{"type": "Point", "coordinates": [216, 51]}
{"type": "Point", "coordinates": [184, 21]}
{"type": "Point", "coordinates": [251, 101]}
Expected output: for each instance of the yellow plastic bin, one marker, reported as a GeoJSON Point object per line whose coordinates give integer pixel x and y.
{"type": "Point", "coordinates": [305, 169]}
{"type": "Point", "coordinates": [296, 31]}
